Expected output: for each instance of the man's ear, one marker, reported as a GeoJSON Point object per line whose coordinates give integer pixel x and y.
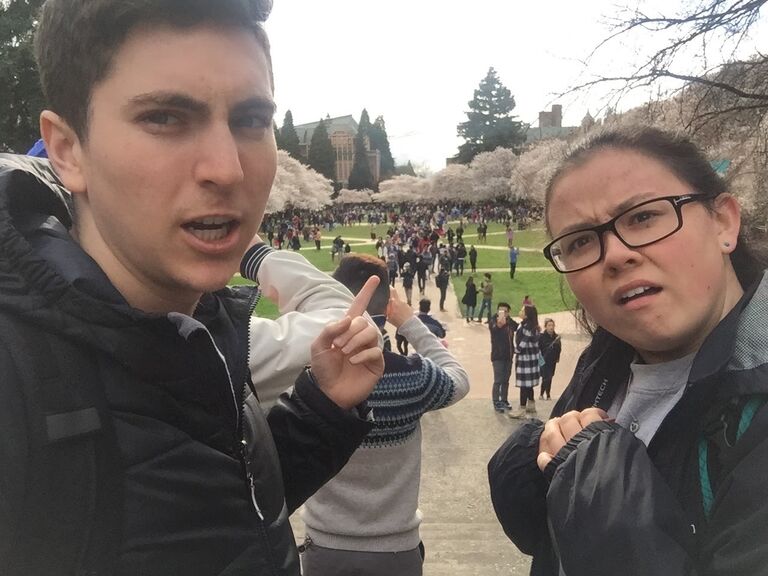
{"type": "Point", "coordinates": [64, 151]}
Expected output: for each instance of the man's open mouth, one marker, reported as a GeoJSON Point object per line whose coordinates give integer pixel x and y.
{"type": "Point", "coordinates": [210, 229]}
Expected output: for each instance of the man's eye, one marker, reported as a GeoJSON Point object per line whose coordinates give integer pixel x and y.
{"type": "Point", "coordinates": [251, 121]}
{"type": "Point", "coordinates": [161, 118]}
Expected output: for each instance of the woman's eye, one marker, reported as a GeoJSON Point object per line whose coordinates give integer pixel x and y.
{"type": "Point", "coordinates": [642, 217]}
{"type": "Point", "coordinates": [578, 243]}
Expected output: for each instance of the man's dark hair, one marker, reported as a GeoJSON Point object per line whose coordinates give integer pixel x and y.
{"type": "Point", "coordinates": [504, 305]}
{"type": "Point", "coordinates": [354, 271]}
{"type": "Point", "coordinates": [76, 41]}
{"type": "Point", "coordinates": [425, 304]}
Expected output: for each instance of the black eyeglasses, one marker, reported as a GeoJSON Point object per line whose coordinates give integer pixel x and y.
{"type": "Point", "coordinates": [639, 226]}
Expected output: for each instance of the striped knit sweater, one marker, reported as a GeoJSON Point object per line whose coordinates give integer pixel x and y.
{"type": "Point", "coordinates": [372, 504]}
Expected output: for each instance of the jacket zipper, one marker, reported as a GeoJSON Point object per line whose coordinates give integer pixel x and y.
{"type": "Point", "coordinates": [254, 300]}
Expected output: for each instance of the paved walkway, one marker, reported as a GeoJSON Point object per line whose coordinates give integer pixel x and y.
{"type": "Point", "coordinates": [459, 530]}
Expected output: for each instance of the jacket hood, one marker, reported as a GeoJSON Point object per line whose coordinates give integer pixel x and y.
{"type": "Point", "coordinates": [48, 280]}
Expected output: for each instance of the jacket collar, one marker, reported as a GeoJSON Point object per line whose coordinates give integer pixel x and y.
{"type": "Point", "coordinates": [47, 279]}
{"type": "Point", "coordinates": [737, 346]}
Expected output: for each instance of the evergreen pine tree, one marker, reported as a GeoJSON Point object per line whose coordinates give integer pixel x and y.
{"type": "Point", "coordinates": [21, 98]}
{"type": "Point", "coordinates": [490, 123]}
{"type": "Point", "coordinates": [278, 141]}
{"type": "Point", "coordinates": [377, 134]}
{"type": "Point", "coordinates": [405, 169]}
{"type": "Point", "coordinates": [360, 177]}
{"type": "Point", "coordinates": [322, 156]}
{"type": "Point", "coordinates": [289, 140]}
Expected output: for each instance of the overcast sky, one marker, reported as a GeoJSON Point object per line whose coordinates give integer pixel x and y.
{"type": "Point", "coordinates": [417, 62]}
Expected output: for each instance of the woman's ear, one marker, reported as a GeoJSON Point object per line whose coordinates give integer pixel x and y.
{"type": "Point", "coordinates": [727, 214]}
{"type": "Point", "coordinates": [64, 151]}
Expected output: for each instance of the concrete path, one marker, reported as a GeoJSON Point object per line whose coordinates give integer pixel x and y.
{"type": "Point", "coordinates": [460, 531]}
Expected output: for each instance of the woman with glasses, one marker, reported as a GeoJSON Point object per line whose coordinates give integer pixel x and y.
{"type": "Point", "coordinates": [654, 460]}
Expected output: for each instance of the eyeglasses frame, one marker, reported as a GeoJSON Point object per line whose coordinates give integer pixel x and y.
{"type": "Point", "coordinates": [677, 203]}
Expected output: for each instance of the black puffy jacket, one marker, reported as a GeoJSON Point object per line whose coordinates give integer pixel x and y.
{"type": "Point", "coordinates": [609, 505]}
{"type": "Point", "coordinates": [201, 481]}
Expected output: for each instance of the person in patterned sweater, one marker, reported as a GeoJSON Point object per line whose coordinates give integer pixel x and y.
{"type": "Point", "coordinates": [365, 521]}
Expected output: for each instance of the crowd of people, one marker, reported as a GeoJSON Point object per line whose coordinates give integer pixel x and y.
{"type": "Point", "coordinates": [153, 425]}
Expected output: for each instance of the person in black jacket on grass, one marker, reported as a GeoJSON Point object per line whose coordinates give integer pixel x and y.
{"type": "Point", "coordinates": [132, 440]}
{"type": "Point", "coordinates": [653, 461]}
{"type": "Point", "coordinates": [550, 348]}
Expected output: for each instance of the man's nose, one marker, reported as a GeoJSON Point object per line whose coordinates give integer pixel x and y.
{"type": "Point", "coordinates": [218, 162]}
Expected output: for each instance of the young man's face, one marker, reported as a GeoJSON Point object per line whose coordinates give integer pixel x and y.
{"type": "Point", "coordinates": [178, 163]}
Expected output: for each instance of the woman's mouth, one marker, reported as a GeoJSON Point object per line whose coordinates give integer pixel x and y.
{"type": "Point", "coordinates": [636, 293]}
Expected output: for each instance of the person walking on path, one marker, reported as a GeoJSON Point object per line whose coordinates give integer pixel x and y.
{"type": "Point", "coordinates": [473, 258]}
{"type": "Point", "coordinates": [392, 267]}
{"type": "Point", "coordinates": [527, 365]}
{"type": "Point", "coordinates": [550, 347]}
{"type": "Point", "coordinates": [441, 281]}
{"type": "Point", "coordinates": [422, 267]}
{"type": "Point", "coordinates": [486, 287]}
{"type": "Point", "coordinates": [407, 275]}
{"type": "Point", "coordinates": [434, 326]}
{"type": "Point", "coordinates": [513, 254]}
{"type": "Point", "coordinates": [470, 299]}
{"type": "Point", "coordinates": [510, 234]}
{"type": "Point", "coordinates": [461, 254]}
{"type": "Point", "coordinates": [502, 329]}
{"type": "Point", "coordinates": [365, 521]}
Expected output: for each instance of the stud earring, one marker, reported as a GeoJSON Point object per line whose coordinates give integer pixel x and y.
{"type": "Point", "coordinates": [727, 244]}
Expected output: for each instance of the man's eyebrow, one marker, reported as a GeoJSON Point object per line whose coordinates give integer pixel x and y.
{"type": "Point", "coordinates": [256, 103]}
{"type": "Point", "coordinates": [170, 100]}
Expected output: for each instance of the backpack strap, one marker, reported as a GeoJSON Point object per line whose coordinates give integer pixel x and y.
{"type": "Point", "coordinates": [718, 439]}
{"type": "Point", "coordinates": [72, 506]}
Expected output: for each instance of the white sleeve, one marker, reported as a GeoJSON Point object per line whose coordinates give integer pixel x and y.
{"type": "Point", "coordinates": [308, 299]}
{"type": "Point", "coordinates": [428, 345]}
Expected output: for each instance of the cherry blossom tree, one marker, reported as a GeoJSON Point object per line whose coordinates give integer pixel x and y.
{"type": "Point", "coordinates": [535, 167]}
{"type": "Point", "coordinates": [298, 186]}
{"type": "Point", "coordinates": [346, 196]}
{"type": "Point", "coordinates": [403, 188]}
{"type": "Point", "coordinates": [452, 183]}
{"type": "Point", "coordinates": [490, 173]}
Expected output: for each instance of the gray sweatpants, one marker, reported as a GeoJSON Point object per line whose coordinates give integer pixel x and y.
{"type": "Point", "coordinates": [319, 561]}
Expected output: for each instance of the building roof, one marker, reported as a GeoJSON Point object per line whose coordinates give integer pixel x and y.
{"type": "Point", "coordinates": [534, 134]}
{"type": "Point", "coordinates": [338, 124]}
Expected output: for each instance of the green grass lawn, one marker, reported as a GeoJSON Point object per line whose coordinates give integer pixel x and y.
{"type": "Point", "coordinates": [487, 258]}
{"type": "Point", "coordinates": [542, 287]}
{"type": "Point", "coordinates": [535, 238]}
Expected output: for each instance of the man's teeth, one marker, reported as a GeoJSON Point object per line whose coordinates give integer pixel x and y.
{"type": "Point", "coordinates": [635, 292]}
{"type": "Point", "coordinates": [210, 235]}
{"type": "Point", "coordinates": [210, 229]}
{"type": "Point", "coordinates": [214, 220]}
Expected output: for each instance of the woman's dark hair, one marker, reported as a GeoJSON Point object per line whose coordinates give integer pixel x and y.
{"type": "Point", "coordinates": [679, 155]}
{"type": "Point", "coordinates": [530, 318]}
